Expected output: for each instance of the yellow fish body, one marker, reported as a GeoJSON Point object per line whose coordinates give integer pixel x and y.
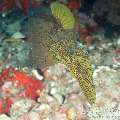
{"type": "Point", "coordinates": [78, 65]}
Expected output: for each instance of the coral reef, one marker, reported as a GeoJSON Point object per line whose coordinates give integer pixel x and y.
{"type": "Point", "coordinates": [108, 99]}
{"type": "Point", "coordinates": [14, 52]}
{"type": "Point", "coordinates": [58, 99]}
{"type": "Point", "coordinates": [45, 70]}
{"type": "Point", "coordinates": [62, 98]}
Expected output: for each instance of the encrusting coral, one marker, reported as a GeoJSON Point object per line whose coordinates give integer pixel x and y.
{"type": "Point", "coordinates": [52, 45]}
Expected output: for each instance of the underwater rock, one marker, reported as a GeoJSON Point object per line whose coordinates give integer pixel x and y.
{"type": "Point", "coordinates": [37, 74]}
{"type": "Point", "coordinates": [30, 116]}
{"type": "Point", "coordinates": [14, 27]}
{"type": "Point", "coordinates": [60, 116]}
{"type": "Point", "coordinates": [18, 35]}
{"type": "Point", "coordinates": [73, 104]}
{"type": "Point", "coordinates": [57, 70]}
{"type": "Point", "coordinates": [107, 81]}
{"type": "Point", "coordinates": [61, 94]}
{"type": "Point", "coordinates": [118, 42]}
{"type": "Point", "coordinates": [105, 52]}
{"type": "Point", "coordinates": [107, 74]}
{"type": "Point", "coordinates": [4, 117]}
{"type": "Point", "coordinates": [2, 36]}
{"type": "Point", "coordinates": [71, 114]}
{"type": "Point", "coordinates": [15, 52]}
{"type": "Point", "coordinates": [21, 107]}
{"type": "Point", "coordinates": [59, 98]}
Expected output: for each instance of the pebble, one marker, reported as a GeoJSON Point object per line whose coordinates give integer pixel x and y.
{"type": "Point", "coordinates": [44, 106]}
{"type": "Point", "coordinates": [13, 27]}
{"type": "Point", "coordinates": [47, 118]}
{"type": "Point", "coordinates": [59, 98]}
{"type": "Point", "coordinates": [56, 70]}
{"type": "Point", "coordinates": [92, 47]}
{"type": "Point", "coordinates": [53, 91]}
{"type": "Point", "coordinates": [46, 73]}
{"type": "Point", "coordinates": [4, 117]}
{"type": "Point", "coordinates": [2, 36]}
{"type": "Point", "coordinates": [21, 107]}
{"type": "Point", "coordinates": [118, 41]}
{"type": "Point", "coordinates": [18, 35]}
{"type": "Point", "coordinates": [60, 116]}
{"type": "Point", "coordinates": [30, 116]}
{"type": "Point", "coordinates": [71, 114]}
{"type": "Point", "coordinates": [37, 75]}
{"type": "Point", "coordinates": [53, 84]}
